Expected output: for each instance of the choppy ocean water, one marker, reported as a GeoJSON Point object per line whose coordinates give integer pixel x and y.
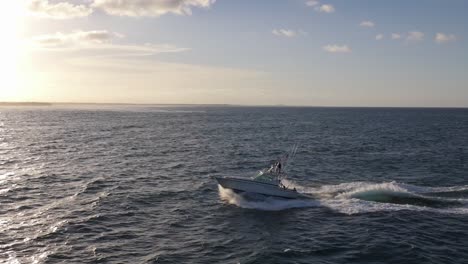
{"type": "Point", "coordinates": [123, 184]}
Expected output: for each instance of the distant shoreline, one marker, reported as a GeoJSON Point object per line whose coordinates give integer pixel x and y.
{"type": "Point", "coordinates": [125, 104]}
{"type": "Point", "coordinates": [25, 104]}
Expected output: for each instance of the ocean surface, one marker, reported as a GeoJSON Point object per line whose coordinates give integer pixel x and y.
{"type": "Point", "coordinates": [134, 184]}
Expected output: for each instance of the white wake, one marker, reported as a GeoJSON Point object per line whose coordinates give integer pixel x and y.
{"type": "Point", "coordinates": [360, 197]}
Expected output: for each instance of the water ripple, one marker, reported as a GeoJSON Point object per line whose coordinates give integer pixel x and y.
{"type": "Point", "coordinates": [134, 185]}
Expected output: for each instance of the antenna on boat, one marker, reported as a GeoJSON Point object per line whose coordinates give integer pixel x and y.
{"type": "Point", "coordinates": [289, 156]}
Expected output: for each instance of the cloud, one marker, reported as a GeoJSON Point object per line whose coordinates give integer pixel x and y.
{"type": "Point", "coordinates": [367, 24]}
{"type": "Point", "coordinates": [284, 33]}
{"type": "Point", "coordinates": [326, 8]}
{"type": "Point", "coordinates": [141, 50]}
{"type": "Point", "coordinates": [288, 32]}
{"type": "Point", "coordinates": [98, 40]}
{"type": "Point", "coordinates": [379, 36]}
{"type": "Point", "coordinates": [61, 10]}
{"type": "Point", "coordinates": [77, 38]}
{"type": "Point", "coordinates": [312, 3]}
{"type": "Point", "coordinates": [337, 49]}
{"type": "Point", "coordinates": [151, 8]}
{"type": "Point", "coordinates": [415, 36]}
{"type": "Point", "coordinates": [396, 36]}
{"type": "Point", "coordinates": [444, 38]}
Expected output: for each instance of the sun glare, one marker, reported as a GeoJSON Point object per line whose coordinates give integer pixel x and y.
{"type": "Point", "coordinates": [11, 16]}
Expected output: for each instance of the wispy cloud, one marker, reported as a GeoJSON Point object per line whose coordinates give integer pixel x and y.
{"type": "Point", "coordinates": [323, 8]}
{"type": "Point", "coordinates": [395, 36]}
{"type": "Point", "coordinates": [76, 38]}
{"type": "Point", "coordinates": [367, 23]}
{"type": "Point", "coordinates": [97, 40]}
{"type": "Point", "coordinates": [415, 36]}
{"type": "Point", "coordinates": [288, 32]}
{"type": "Point", "coordinates": [444, 38]}
{"type": "Point", "coordinates": [284, 33]}
{"type": "Point", "coordinates": [337, 48]}
{"type": "Point", "coordinates": [151, 8]}
{"type": "Point", "coordinates": [312, 3]}
{"type": "Point", "coordinates": [61, 10]}
{"type": "Point", "coordinates": [122, 50]}
{"type": "Point", "coordinates": [379, 37]}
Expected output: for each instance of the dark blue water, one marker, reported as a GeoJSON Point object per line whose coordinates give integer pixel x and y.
{"type": "Point", "coordinates": [115, 184]}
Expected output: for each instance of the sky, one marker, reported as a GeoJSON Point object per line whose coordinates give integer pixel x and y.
{"type": "Point", "coordinates": [264, 52]}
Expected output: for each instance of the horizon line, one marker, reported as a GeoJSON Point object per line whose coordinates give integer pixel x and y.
{"type": "Point", "coordinates": [45, 103]}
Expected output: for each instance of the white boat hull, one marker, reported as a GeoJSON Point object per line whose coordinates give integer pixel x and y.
{"type": "Point", "coordinates": [264, 188]}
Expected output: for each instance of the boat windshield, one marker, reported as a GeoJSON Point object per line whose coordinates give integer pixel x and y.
{"type": "Point", "coordinates": [268, 177]}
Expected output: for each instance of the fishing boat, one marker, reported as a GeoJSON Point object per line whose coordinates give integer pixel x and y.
{"type": "Point", "coordinates": [267, 182]}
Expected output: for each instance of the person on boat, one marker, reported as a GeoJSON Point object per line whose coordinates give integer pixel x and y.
{"type": "Point", "coordinates": [281, 185]}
